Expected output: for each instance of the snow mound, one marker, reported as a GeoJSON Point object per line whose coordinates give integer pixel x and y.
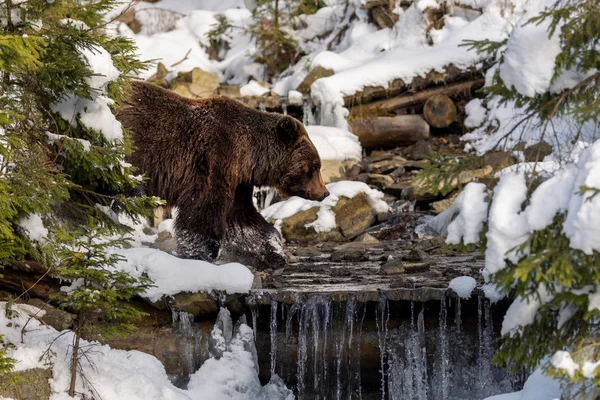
{"type": "Point", "coordinates": [172, 275]}
{"type": "Point", "coordinates": [537, 387]}
{"type": "Point", "coordinates": [334, 143]}
{"type": "Point", "coordinates": [463, 286]}
{"type": "Point", "coordinates": [325, 221]}
{"type": "Point", "coordinates": [253, 88]}
{"type": "Point", "coordinates": [118, 374]}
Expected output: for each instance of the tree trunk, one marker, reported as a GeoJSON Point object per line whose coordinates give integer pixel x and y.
{"type": "Point", "coordinates": [389, 105]}
{"type": "Point", "coordinates": [401, 130]}
{"type": "Point", "coordinates": [74, 361]}
{"type": "Point", "coordinates": [439, 111]}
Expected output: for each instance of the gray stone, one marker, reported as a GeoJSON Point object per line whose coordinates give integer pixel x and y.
{"type": "Point", "coordinates": [56, 318]}
{"type": "Point", "coordinates": [353, 215]}
{"type": "Point", "coordinates": [195, 303]}
{"type": "Point", "coordinates": [537, 152]}
{"type": "Point", "coordinates": [415, 255]}
{"type": "Point", "coordinates": [365, 238]}
{"type": "Point", "coordinates": [419, 150]}
{"type": "Point", "coordinates": [381, 181]}
{"type": "Point", "coordinates": [392, 267]}
{"type": "Point", "coordinates": [416, 267]}
{"type": "Point", "coordinates": [385, 166]}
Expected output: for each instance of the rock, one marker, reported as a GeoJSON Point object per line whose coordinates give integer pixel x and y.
{"type": "Point", "coordinates": [365, 238]}
{"type": "Point", "coordinates": [415, 255]}
{"type": "Point", "coordinates": [392, 267]}
{"type": "Point", "coordinates": [411, 165]}
{"type": "Point", "coordinates": [165, 242]}
{"type": "Point", "coordinates": [377, 155]}
{"type": "Point", "coordinates": [397, 189]}
{"type": "Point", "coordinates": [537, 152]}
{"type": "Point", "coordinates": [398, 172]}
{"type": "Point", "coordinates": [257, 281]}
{"type": "Point", "coordinates": [160, 77]}
{"type": "Point", "coordinates": [416, 267]}
{"type": "Point", "coordinates": [385, 166]}
{"type": "Point", "coordinates": [419, 150]}
{"type": "Point", "coordinates": [56, 318]}
{"type": "Point", "coordinates": [316, 73]}
{"type": "Point", "coordinates": [291, 258]}
{"type": "Point", "coordinates": [229, 90]}
{"type": "Point", "coordinates": [383, 16]}
{"type": "Point", "coordinates": [499, 159]}
{"type": "Point", "coordinates": [348, 254]}
{"type": "Point", "coordinates": [443, 205]}
{"type": "Point", "coordinates": [332, 171]}
{"type": "Point", "coordinates": [340, 271]}
{"type": "Point", "coordinates": [293, 228]}
{"type": "Point", "coordinates": [32, 384]}
{"type": "Point", "coordinates": [353, 215]}
{"type": "Point", "coordinates": [381, 181]}
{"type": "Point", "coordinates": [195, 303]}
{"type": "Point", "coordinates": [402, 282]}
{"type": "Point", "coordinates": [196, 84]}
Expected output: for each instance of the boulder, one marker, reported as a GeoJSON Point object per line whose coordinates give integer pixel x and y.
{"type": "Point", "coordinates": [499, 159]}
{"type": "Point", "coordinates": [195, 84]}
{"type": "Point", "coordinates": [332, 171]}
{"type": "Point", "coordinates": [385, 166]}
{"type": "Point", "coordinates": [392, 267]}
{"type": "Point", "coordinates": [195, 303]}
{"type": "Point", "coordinates": [381, 181]}
{"type": "Point", "coordinates": [353, 215]}
{"type": "Point", "coordinates": [56, 318]}
{"type": "Point", "coordinates": [229, 90]}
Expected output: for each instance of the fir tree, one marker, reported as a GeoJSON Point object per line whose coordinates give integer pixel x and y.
{"type": "Point", "coordinates": [62, 154]}
{"type": "Point", "coordinates": [548, 270]}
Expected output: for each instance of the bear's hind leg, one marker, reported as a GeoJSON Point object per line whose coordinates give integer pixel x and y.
{"type": "Point", "coordinates": [249, 239]}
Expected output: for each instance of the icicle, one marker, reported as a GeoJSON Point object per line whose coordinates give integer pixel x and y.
{"type": "Point", "coordinates": [421, 375]}
{"type": "Point", "coordinates": [302, 351]}
{"type": "Point", "coordinates": [358, 377]}
{"type": "Point", "coordinates": [339, 352]}
{"type": "Point", "coordinates": [261, 106]}
{"type": "Point", "coordinates": [382, 316]}
{"type": "Point", "coordinates": [457, 315]}
{"type": "Point", "coordinates": [326, 319]}
{"type": "Point", "coordinates": [288, 322]}
{"type": "Point", "coordinates": [284, 106]}
{"type": "Point", "coordinates": [273, 335]}
{"type": "Point", "coordinates": [315, 339]}
{"type": "Point", "coordinates": [443, 353]}
{"type": "Point", "coordinates": [254, 312]}
{"type": "Point", "coordinates": [307, 117]}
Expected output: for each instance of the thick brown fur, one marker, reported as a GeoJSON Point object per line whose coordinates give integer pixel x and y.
{"type": "Point", "coordinates": [206, 155]}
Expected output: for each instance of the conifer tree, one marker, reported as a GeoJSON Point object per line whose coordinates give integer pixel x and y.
{"type": "Point", "coordinates": [62, 153]}
{"type": "Point", "coordinates": [545, 270]}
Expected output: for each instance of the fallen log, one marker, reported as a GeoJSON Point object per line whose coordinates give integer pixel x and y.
{"type": "Point", "coordinates": [439, 111]}
{"type": "Point", "coordinates": [389, 105]}
{"type": "Point", "coordinates": [35, 284]}
{"type": "Point", "coordinates": [395, 131]}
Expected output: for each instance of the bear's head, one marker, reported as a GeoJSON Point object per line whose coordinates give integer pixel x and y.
{"type": "Point", "coordinates": [302, 171]}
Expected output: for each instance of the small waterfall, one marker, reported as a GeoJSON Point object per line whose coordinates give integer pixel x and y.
{"type": "Point", "coordinates": [308, 117]}
{"type": "Point", "coordinates": [441, 379]}
{"type": "Point", "coordinates": [284, 106]}
{"type": "Point", "coordinates": [261, 106]}
{"type": "Point", "coordinates": [273, 336]}
{"type": "Point", "coordinates": [457, 315]}
{"type": "Point", "coordinates": [254, 311]}
{"type": "Point", "coordinates": [190, 345]}
{"type": "Point", "coordinates": [382, 316]}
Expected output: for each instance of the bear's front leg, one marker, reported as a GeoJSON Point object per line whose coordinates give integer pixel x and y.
{"type": "Point", "coordinates": [249, 239]}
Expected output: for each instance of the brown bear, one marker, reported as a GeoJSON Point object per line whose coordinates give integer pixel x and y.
{"type": "Point", "coordinates": [205, 156]}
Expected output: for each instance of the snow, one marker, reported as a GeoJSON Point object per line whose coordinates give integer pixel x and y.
{"type": "Point", "coordinates": [253, 88]}
{"type": "Point", "coordinates": [463, 286]}
{"type": "Point", "coordinates": [118, 374]}
{"type": "Point", "coordinates": [562, 360]}
{"type": "Point", "coordinates": [172, 275]}
{"type": "Point", "coordinates": [529, 59]}
{"type": "Point", "coordinates": [476, 113]}
{"type": "Point", "coordinates": [522, 311]}
{"type": "Point", "coordinates": [334, 143]}
{"type": "Point", "coordinates": [295, 98]}
{"type": "Point", "coordinates": [326, 218]}
{"type": "Point", "coordinates": [34, 227]}
{"type": "Point", "coordinates": [589, 368]}
{"type": "Point", "coordinates": [537, 387]}
{"type": "Point", "coordinates": [472, 208]}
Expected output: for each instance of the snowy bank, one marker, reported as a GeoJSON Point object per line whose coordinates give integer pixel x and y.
{"type": "Point", "coordinates": [172, 275]}
{"type": "Point", "coordinates": [326, 217]}
{"type": "Point", "coordinates": [117, 374]}
{"type": "Point", "coordinates": [334, 143]}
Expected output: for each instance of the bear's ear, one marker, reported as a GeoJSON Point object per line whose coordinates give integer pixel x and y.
{"type": "Point", "coordinates": [287, 128]}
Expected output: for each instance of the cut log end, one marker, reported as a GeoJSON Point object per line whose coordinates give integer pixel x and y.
{"type": "Point", "coordinates": [439, 111]}
{"type": "Point", "coordinates": [401, 130]}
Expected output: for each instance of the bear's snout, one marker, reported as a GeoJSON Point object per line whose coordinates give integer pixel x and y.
{"type": "Point", "coordinates": [316, 189]}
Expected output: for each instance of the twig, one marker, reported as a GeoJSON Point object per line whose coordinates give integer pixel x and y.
{"type": "Point", "coordinates": [183, 59]}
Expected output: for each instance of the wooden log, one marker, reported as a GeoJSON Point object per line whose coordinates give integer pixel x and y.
{"type": "Point", "coordinates": [389, 105]}
{"type": "Point", "coordinates": [439, 111]}
{"type": "Point", "coordinates": [37, 285]}
{"type": "Point", "coordinates": [395, 131]}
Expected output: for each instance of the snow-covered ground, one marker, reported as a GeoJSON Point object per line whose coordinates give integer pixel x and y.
{"type": "Point", "coordinates": [112, 374]}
